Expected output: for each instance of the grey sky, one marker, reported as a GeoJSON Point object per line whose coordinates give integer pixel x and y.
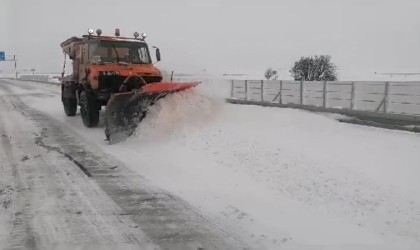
{"type": "Point", "coordinates": [226, 36]}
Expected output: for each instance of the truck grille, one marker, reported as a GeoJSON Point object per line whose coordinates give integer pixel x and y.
{"type": "Point", "coordinates": [110, 83]}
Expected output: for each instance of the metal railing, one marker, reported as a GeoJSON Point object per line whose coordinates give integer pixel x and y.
{"type": "Point", "coordinates": [381, 97]}
{"type": "Point", "coordinates": [385, 97]}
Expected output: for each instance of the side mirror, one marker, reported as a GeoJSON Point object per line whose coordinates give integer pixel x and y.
{"type": "Point", "coordinates": [157, 54]}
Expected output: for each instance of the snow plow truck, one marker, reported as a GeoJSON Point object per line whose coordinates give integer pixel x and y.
{"type": "Point", "coordinates": [117, 73]}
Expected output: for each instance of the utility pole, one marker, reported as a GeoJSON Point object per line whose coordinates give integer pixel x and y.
{"type": "Point", "coordinates": [16, 73]}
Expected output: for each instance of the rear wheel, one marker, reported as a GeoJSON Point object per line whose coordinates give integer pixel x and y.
{"type": "Point", "coordinates": [70, 106]}
{"type": "Point", "coordinates": [89, 110]}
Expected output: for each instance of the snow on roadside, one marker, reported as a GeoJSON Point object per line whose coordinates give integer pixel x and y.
{"type": "Point", "coordinates": [25, 87]}
{"type": "Point", "coordinates": [288, 157]}
{"type": "Point", "coordinates": [276, 177]}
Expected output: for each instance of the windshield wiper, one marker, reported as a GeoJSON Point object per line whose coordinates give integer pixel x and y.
{"type": "Point", "coordinates": [116, 52]}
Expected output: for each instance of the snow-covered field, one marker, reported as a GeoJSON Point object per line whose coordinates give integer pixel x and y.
{"type": "Point", "coordinates": [276, 178]}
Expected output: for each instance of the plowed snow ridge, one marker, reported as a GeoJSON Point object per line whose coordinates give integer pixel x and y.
{"type": "Point", "coordinates": [180, 113]}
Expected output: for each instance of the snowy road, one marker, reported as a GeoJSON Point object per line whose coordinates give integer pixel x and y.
{"type": "Point", "coordinates": [57, 191]}
{"type": "Point", "coordinates": [272, 178]}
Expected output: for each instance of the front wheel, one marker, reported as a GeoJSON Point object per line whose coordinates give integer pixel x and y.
{"type": "Point", "coordinates": [70, 106]}
{"type": "Point", "coordinates": [89, 110]}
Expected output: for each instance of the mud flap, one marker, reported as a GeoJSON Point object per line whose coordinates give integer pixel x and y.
{"type": "Point", "coordinates": [124, 111]}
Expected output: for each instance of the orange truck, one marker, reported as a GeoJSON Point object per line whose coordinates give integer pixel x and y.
{"type": "Point", "coordinates": [115, 72]}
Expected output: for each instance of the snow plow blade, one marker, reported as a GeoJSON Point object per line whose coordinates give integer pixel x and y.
{"type": "Point", "coordinates": [125, 110]}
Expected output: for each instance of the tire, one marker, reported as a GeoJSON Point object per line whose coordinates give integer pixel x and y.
{"type": "Point", "coordinates": [89, 110]}
{"type": "Point", "coordinates": [70, 106]}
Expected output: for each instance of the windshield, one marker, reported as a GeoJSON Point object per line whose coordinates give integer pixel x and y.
{"type": "Point", "coordinates": [119, 52]}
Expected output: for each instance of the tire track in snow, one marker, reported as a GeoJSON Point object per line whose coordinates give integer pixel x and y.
{"type": "Point", "coordinates": [39, 141]}
{"type": "Point", "coordinates": [61, 209]}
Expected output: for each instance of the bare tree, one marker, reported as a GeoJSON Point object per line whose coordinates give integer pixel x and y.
{"type": "Point", "coordinates": [318, 68]}
{"type": "Point", "coordinates": [270, 73]}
